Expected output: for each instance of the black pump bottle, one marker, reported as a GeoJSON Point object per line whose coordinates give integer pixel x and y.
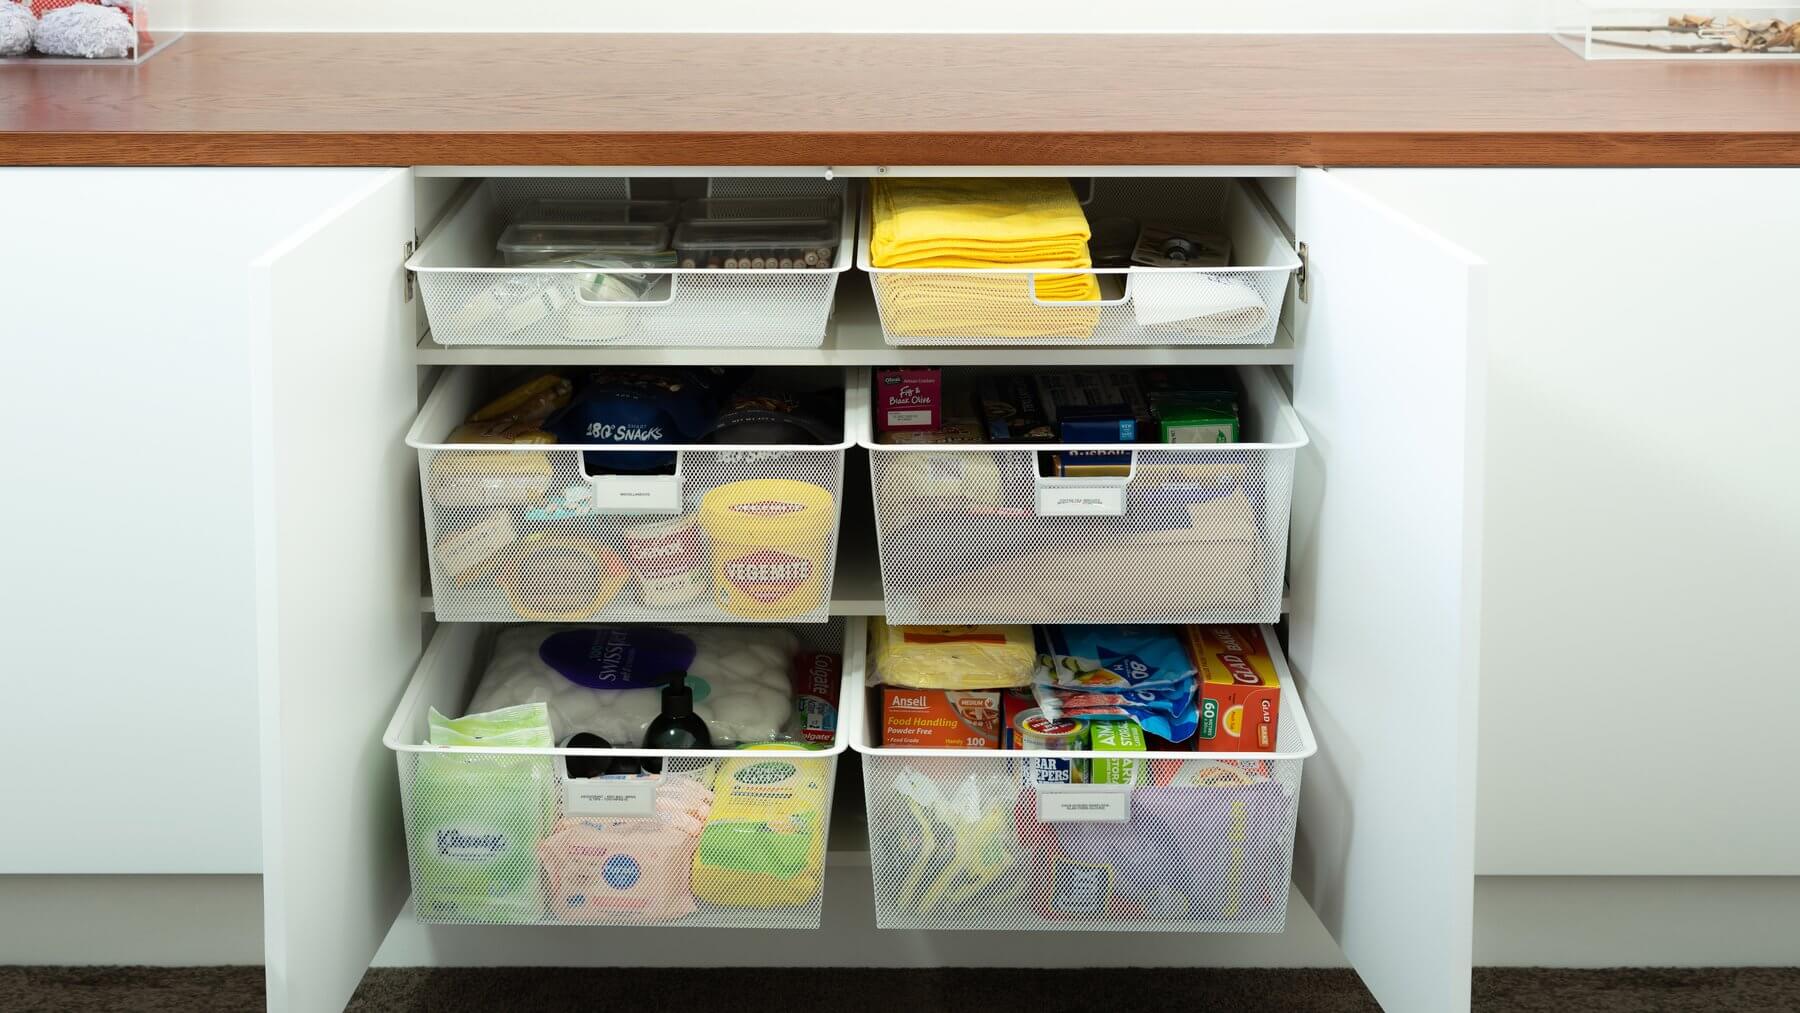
{"type": "Point", "coordinates": [677, 727]}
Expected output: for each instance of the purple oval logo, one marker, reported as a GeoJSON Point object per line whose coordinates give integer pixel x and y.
{"type": "Point", "coordinates": [617, 657]}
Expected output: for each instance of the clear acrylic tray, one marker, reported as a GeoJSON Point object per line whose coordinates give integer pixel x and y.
{"type": "Point", "coordinates": [1600, 31]}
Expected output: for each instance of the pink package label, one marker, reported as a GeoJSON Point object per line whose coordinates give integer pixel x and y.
{"type": "Point", "coordinates": [909, 398]}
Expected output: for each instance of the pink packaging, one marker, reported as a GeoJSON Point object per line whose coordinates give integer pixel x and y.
{"type": "Point", "coordinates": [909, 397]}
{"type": "Point", "coordinates": [621, 871]}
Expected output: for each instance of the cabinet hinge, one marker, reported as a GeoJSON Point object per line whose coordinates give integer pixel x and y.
{"type": "Point", "coordinates": [1302, 277]}
{"type": "Point", "coordinates": [406, 255]}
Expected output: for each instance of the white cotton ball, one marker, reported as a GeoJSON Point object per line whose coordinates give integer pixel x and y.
{"type": "Point", "coordinates": [86, 30]}
{"type": "Point", "coordinates": [16, 26]}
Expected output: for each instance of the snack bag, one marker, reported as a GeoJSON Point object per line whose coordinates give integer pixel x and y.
{"type": "Point", "coordinates": [952, 657]}
{"type": "Point", "coordinates": [1112, 656]}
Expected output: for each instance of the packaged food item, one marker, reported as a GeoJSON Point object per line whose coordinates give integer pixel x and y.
{"type": "Point", "coordinates": [758, 245]}
{"type": "Point", "coordinates": [465, 552]}
{"type": "Point", "coordinates": [1089, 464]}
{"type": "Point", "coordinates": [1117, 737]}
{"type": "Point", "coordinates": [1240, 692]}
{"type": "Point", "coordinates": [530, 243]}
{"type": "Point", "coordinates": [769, 541]}
{"type": "Point", "coordinates": [957, 430]}
{"type": "Point", "coordinates": [909, 398]}
{"type": "Point", "coordinates": [1013, 704]}
{"type": "Point", "coordinates": [764, 843]}
{"type": "Point", "coordinates": [638, 406]}
{"type": "Point", "coordinates": [1040, 731]}
{"type": "Point", "coordinates": [756, 415]}
{"type": "Point", "coordinates": [475, 820]}
{"type": "Point", "coordinates": [952, 657]}
{"type": "Point", "coordinates": [940, 719]}
{"type": "Point", "coordinates": [1062, 393]}
{"type": "Point", "coordinates": [817, 677]}
{"type": "Point", "coordinates": [1161, 244]}
{"type": "Point", "coordinates": [479, 478]}
{"type": "Point", "coordinates": [1166, 710]}
{"type": "Point", "coordinates": [500, 431]}
{"type": "Point", "coordinates": [667, 560]}
{"type": "Point", "coordinates": [1012, 410]}
{"type": "Point", "coordinates": [1084, 655]}
{"type": "Point", "coordinates": [530, 402]}
{"type": "Point", "coordinates": [608, 680]}
{"type": "Point", "coordinates": [560, 577]}
{"type": "Point", "coordinates": [1193, 404]}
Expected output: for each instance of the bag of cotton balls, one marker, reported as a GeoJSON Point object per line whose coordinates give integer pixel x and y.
{"type": "Point", "coordinates": [90, 31]}
{"type": "Point", "coordinates": [608, 679]}
{"type": "Point", "coordinates": [16, 28]}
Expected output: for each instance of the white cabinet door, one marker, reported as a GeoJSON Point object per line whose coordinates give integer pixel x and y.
{"type": "Point", "coordinates": [337, 584]}
{"type": "Point", "coordinates": [1385, 573]}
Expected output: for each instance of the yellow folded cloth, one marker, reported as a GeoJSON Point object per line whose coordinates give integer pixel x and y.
{"type": "Point", "coordinates": [982, 306]}
{"type": "Point", "coordinates": [969, 224]}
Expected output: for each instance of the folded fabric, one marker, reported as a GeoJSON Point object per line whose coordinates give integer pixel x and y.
{"type": "Point", "coordinates": [976, 223]}
{"type": "Point", "coordinates": [987, 305]}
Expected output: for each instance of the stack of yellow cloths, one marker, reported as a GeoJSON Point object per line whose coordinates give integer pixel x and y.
{"type": "Point", "coordinates": [933, 225]}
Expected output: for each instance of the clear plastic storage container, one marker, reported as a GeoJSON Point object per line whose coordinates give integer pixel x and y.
{"type": "Point", "coordinates": [974, 533]}
{"type": "Point", "coordinates": [978, 839]}
{"type": "Point", "coordinates": [719, 838]}
{"type": "Point", "coordinates": [826, 208]}
{"type": "Point", "coordinates": [470, 301]}
{"type": "Point", "coordinates": [1239, 304]}
{"type": "Point", "coordinates": [536, 241]}
{"type": "Point", "coordinates": [573, 211]}
{"type": "Point", "coordinates": [756, 245]}
{"type": "Point", "coordinates": [525, 532]}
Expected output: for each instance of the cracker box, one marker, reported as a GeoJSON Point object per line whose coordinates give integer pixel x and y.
{"type": "Point", "coordinates": [940, 718]}
{"type": "Point", "coordinates": [1240, 694]}
{"type": "Point", "coordinates": [909, 398]}
{"type": "Point", "coordinates": [1116, 737]}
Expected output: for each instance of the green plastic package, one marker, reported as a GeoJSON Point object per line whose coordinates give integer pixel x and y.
{"type": "Point", "coordinates": [475, 820]}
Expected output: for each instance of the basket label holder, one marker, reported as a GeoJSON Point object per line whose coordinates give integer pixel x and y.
{"type": "Point", "coordinates": [1088, 496]}
{"type": "Point", "coordinates": [634, 495]}
{"type": "Point", "coordinates": [615, 797]}
{"type": "Point", "coordinates": [1083, 803]}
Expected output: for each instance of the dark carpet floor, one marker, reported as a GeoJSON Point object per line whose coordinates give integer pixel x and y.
{"type": "Point", "coordinates": [530, 990]}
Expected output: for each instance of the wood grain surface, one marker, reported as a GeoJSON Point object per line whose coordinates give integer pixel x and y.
{"type": "Point", "coordinates": [399, 99]}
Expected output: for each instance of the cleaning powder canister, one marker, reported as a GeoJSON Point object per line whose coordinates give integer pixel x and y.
{"type": "Point", "coordinates": [769, 538]}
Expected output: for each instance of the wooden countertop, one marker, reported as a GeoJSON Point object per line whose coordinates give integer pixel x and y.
{"type": "Point", "coordinates": [231, 99]}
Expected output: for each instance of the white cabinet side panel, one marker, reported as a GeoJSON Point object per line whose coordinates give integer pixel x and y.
{"type": "Point", "coordinates": [1643, 514]}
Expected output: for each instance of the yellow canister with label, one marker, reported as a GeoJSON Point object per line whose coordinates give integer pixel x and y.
{"type": "Point", "coordinates": [769, 541]}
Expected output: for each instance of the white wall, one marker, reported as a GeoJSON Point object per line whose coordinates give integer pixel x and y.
{"type": "Point", "coordinates": [843, 16]}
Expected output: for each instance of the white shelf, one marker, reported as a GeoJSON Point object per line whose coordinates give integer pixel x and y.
{"type": "Point", "coordinates": [854, 339]}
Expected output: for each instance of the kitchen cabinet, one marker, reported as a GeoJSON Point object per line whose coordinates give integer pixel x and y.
{"type": "Point", "coordinates": [1418, 523]}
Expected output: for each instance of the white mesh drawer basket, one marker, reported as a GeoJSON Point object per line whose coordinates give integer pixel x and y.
{"type": "Point", "coordinates": [542, 532]}
{"type": "Point", "coordinates": [725, 838]}
{"type": "Point", "coordinates": [1235, 305]}
{"type": "Point", "coordinates": [1004, 840]}
{"type": "Point", "coordinates": [471, 298]}
{"type": "Point", "coordinates": [973, 533]}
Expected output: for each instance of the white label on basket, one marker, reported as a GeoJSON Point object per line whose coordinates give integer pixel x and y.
{"type": "Point", "coordinates": [1083, 806]}
{"type": "Point", "coordinates": [634, 494]}
{"type": "Point", "coordinates": [1098, 501]}
{"type": "Point", "coordinates": [620, 797]}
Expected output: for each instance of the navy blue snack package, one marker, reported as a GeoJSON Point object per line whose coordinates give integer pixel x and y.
{"type": "Point", "coordinates": [638, 406]}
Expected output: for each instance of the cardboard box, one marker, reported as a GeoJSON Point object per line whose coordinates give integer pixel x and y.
{"type": "Point", "coordinates": [940, 718]}
{"type": "Point", "coordinates": [1012, 411]}
{"type": "Point", "coordinates": [1116, 737]}
{"type": "Point", "coordinates": [909, 398]}
{"type": "Point", "coordinates": [1240, 694]}
{"type": "Point", "coordinates": [1014, 702]}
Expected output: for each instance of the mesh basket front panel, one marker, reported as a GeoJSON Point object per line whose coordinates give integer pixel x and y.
{"type": "Point", "coordinates": [1190, 859]}
{"type": "Point", "coordinates": [482, 852]}
{"type": "Point", "coordinates": [1203, 539]}
{"type": "Point", "coordinates": [479, 550]}
{"type": "Point", "coordinates": [521, 307]}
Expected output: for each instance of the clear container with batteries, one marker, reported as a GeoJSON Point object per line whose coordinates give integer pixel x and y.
{"type": "Point", "coordinates": [756, 244]}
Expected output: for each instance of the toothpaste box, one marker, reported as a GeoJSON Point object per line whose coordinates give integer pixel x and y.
{"type": "Point", "coordinates": [816, 676]}
{"type": "Point", "coordinates": [910, 397]}
{"type": "Point", "coordinates": [1239, 692]}
{"type": "Point", "coordinates": [940, 718]}
{"type": "Point", "coordinates": [1116, 737]}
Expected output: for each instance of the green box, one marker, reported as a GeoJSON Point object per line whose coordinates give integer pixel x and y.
{"type": "Point", "coordinates": [1197, 418]}
{"type": "Point", "coordinates": [1116, 737]}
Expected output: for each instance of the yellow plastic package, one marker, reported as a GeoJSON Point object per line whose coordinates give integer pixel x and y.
{"type": "Point", "coordinates": [764, 843]}
{"type": "Point", "coordinates": [952, 657]}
